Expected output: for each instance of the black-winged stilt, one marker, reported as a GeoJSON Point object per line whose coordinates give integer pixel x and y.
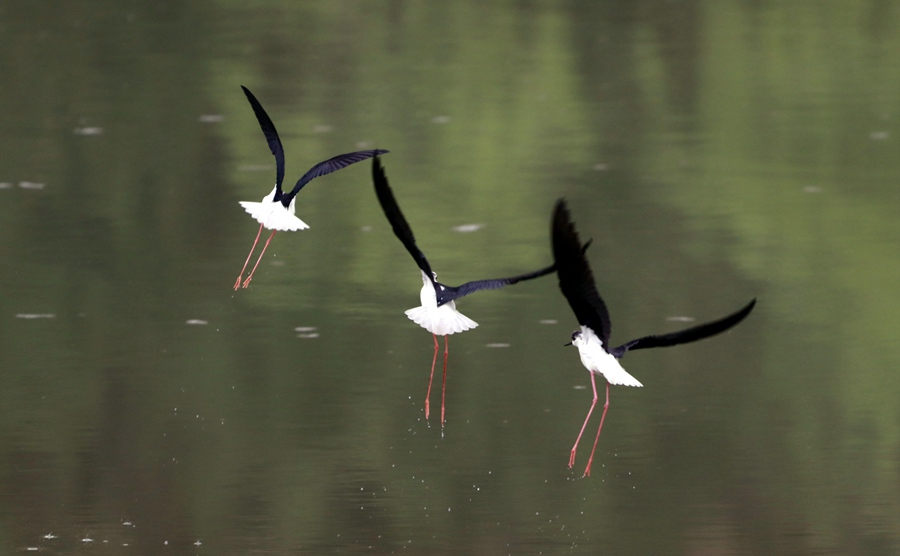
{"type": "Point", "coordinates": [276, 211]}
{"type": "Point", "coordinates": [438, 313]}
{"type": "Point", "coordinates": [592, 340]}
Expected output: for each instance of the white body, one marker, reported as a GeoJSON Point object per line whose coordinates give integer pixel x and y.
{"type": "Point", "coordinates": [273, 216]}
{"type": "Point", "coordinates": [441, 321]}
{"type": "Point", "coordinates": [598, 360]}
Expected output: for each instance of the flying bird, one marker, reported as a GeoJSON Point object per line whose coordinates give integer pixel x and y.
{"type": "Point", "coordinates": [276, 210]}
{"type": "Point", "coordinates": [592, 339]}
{"type": "Point", "coordinates": [438, 313]}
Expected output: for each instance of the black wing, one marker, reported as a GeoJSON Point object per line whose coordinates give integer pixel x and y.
{"type": "Point", "coordinates": [329, 166]}
{"type": "Point", "coordinates": [449, 293]}
{"type": "Point", "coordinates": [575, 277]}
{"type": "Point", "coordinates": [686, 336]}
{"type": "Point", "coordinates": [395, 217]}
{"type": "Point", "coordinates": [268, 129]}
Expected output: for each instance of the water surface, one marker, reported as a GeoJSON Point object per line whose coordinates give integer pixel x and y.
{"type": "Point", "coordinates": [714, 151]}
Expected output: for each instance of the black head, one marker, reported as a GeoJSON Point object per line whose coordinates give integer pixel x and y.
{"type": "Point", "coordinates": [575, 335]}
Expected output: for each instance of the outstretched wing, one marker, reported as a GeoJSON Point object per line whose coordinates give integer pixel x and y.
{"type": "Point", "coordinates": [686, 336]}
{"type": "Point", "coordinates": [329, 166]}
{"type": "Point", "coordinates": [575, 277]}
{"type": "Point", "coordinates": [449, 293]}
{"type": "Point", "coordinates": [395, 217]}
{"type": "Point", "coordinates": [268, 129]}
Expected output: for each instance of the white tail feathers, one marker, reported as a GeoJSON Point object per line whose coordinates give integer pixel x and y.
{"type": "Point", "coordinates": [273, 216]}
{"type": "Point", "coordinates": [441, 321]}
{"type": "Point", "coordinates": [619, 376]}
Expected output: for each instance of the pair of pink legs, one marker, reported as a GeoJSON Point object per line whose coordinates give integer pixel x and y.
{"type": "Point", "coordinates": [443, 383]}
{"type": "Point", "coordinates": [237, 284]}
{"type": "Point", "coordinates": [587, 470]}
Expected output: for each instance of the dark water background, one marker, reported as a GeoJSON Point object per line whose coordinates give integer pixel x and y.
{"type": "Point", "coordinates": [715, 151]}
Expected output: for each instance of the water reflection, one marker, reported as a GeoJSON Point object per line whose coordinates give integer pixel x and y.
{"type": "Point", "coordinates": [690, 135]}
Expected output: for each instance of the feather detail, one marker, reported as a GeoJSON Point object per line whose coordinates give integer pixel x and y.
{"type": "Point", "coordinates": [273, 215]}
{"type": "Point", "coordinates": [441, 321]}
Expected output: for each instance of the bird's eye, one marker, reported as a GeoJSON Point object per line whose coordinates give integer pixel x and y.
{"type": "Point", "coordinates": [576, 335]}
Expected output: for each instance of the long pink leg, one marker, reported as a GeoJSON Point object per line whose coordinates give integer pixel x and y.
{"type": "Point", "coordinates": [250, 254]}
{"type": "Point", "coordinates": [591, 410]}
{"type": "Point", "coordinates": [433, 362]}
{"type": "Point", "coordinates": [587, 470]}
{"type": "Point", "coordinates": [250, 277]}
{"type": "Point", "coordinates": [444, 383]}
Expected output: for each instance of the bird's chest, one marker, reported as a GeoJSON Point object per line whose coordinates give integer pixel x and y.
{"type": "Point", "coordinates": [597, 359]}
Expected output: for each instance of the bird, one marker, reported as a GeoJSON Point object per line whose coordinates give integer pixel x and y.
{"type": "Point", "coordinates": [276, 210]}
{"type": "Point", "coordinates": [437, 313]}
{"type": "Point", "coordinates": [576, 281]}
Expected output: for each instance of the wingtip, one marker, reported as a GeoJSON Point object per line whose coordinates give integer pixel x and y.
{"type": "Point", "coordinates": [561, 216]}
{"type": "Point", "coordinates": [562, 224]}
{"type": "Point", "coordinates": [749, 307]}
{"type": "Point", "coordinates": [560, 206]}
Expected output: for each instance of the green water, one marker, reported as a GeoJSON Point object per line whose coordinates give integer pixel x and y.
{"type": "Point", "coordinates": [714, 151]}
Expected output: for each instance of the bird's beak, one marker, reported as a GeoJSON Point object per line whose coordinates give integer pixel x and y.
{"type": "Point", "coordinates": [567, 344]}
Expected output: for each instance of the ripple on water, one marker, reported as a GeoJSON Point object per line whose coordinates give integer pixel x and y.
{"type": "Point", "coordinates": [467, 228]}
{"type": "Point", "coordinates": [307, 332]}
